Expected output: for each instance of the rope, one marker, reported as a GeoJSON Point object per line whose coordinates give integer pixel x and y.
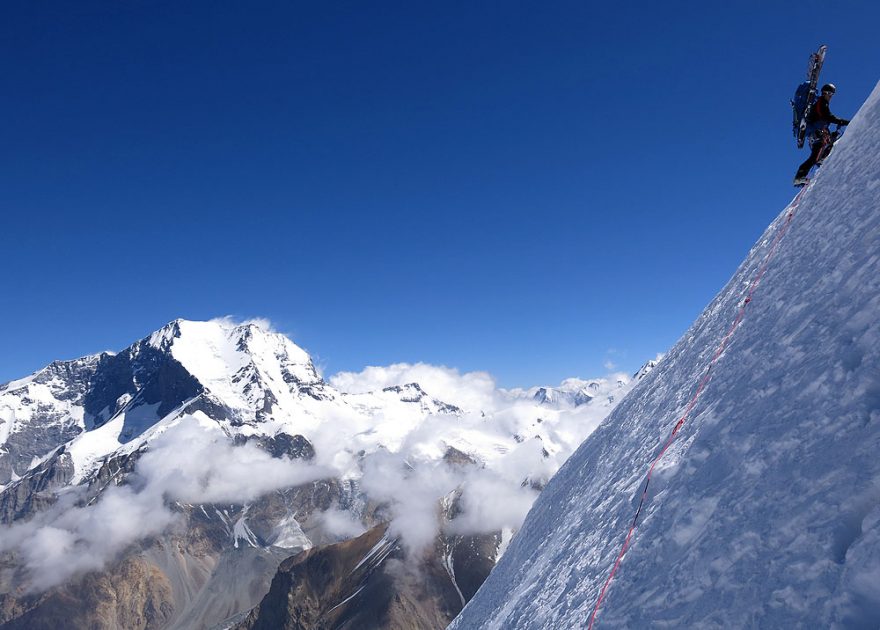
{"type": "Point", "coordinates": [702, 385]}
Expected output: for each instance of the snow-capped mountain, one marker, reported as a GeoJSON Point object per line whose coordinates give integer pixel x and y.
{"type": "Point", "coordinates": [574, 392]}
{"type": "Point", "coordinates": [124, 394]}
{"type": "Point", "coordinates": [214, 450]}
{"type": "Point", "coordinates": [764, 511]}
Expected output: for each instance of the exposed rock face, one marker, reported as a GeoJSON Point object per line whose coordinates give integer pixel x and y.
{"type": "Point", "coordinates": [42, 412]}
{"type": "Point", "coordinates": [369, 582]}
{"type": "Point", "coordinates": [281, 444]}
{"type": "Point", "coordinates": [36, 491]}
{"type": "Point", "coordinates": [68, 397]}
{"type": "Point", "coordinates": [133, 594]}
{"type": "Point", "coordinates": [153, 376]}
{"type": "Point", "coordinates": [217, 562]}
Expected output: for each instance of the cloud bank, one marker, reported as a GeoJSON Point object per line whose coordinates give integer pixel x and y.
{"type": "Point", "coordinates": [489, 457]}
{"type": "Point", "coordinates": [471, 390]}
{"type": "Point", "coordinates": [190, 463]}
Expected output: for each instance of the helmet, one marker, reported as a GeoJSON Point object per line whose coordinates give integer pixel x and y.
{"type": "Point", "coordinates": [829, 87]}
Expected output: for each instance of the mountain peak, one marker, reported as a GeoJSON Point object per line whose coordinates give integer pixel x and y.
{"type": "Point", "coordinates": [221, 353]}
{"type": "Point", "coordinates": [243, 373]}
{"type": "Point", "coordinates": [164, 337]}
{"type": "Point", "coordinates": [646, 369]}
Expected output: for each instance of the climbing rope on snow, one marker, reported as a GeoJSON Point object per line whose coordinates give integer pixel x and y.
{"type": "Point", "coordinates": [792, 208]}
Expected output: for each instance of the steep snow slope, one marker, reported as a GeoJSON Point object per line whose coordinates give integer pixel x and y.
{"type": "Point", "coordinates": [765, 511]}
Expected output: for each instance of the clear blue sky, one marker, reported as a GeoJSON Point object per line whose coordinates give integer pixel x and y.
{"type": "Point", "coordinates": [527, 188]}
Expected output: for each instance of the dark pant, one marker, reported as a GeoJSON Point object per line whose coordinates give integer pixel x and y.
{"type": "Point", "coordinates": [818, 145]}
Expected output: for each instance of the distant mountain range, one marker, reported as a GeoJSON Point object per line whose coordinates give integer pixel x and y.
{"type": "Point", "coordinates": [163, 485]}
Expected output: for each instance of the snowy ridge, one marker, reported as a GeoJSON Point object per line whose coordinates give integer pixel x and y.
{"type": "Point", "coordinates": [52, 398]}
{"type": "Point", "coordinates": [572, 392]}
{"type": "Point", "coordinates": [239, 363]}
{"type": "Point", "coordinates": [253, 382]}
{"type": "Point", "coordinates": [247, 374]}
{"type": "Point", "coordinates": [765, 511]}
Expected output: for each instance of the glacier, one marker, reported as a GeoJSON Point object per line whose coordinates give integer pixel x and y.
{"type": "Point", "coordinates": [765, 510]}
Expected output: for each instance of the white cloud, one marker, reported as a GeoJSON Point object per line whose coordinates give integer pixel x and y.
{"type": "Point", "coordinates": [228, 321]}
{"type": "Point", "coordinates": [410, 477]}
{"type": "Point", "coordinates": [490, 503]}
{"type": "Point", "coordinates": [395, 451]}
{"type": "Point", "coordinates": [340, 524]}
{"type": "Point", "coordinates": [66, 540]}
{"type": "Point", "coordinates": [472, 390]}
{"type": "Point", "coordinates": [413, 491]}
{"type": "Point", "coordinates": [193, 463]}
{"type": "Point", "coordinates": [189, 463]}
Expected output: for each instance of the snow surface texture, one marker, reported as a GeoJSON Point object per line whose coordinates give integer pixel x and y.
{"type": "Point", "coordinates": [765, 511]}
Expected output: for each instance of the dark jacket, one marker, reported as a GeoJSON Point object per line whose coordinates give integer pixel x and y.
{"type": "Point", "coordinates": [820, 116]}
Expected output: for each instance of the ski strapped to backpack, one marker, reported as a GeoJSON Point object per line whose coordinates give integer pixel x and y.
{"type": "Point", "coordinates": [805, 95]}
{"type": "Point", "coordinates": [701, 385]}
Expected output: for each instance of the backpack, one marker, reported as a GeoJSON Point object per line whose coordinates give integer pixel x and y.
{"type": "Point", "coordinates": [804, 98]}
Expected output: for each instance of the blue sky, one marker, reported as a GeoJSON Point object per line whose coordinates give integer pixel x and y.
{"type": "Point", "coordinates": [532, 189]}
